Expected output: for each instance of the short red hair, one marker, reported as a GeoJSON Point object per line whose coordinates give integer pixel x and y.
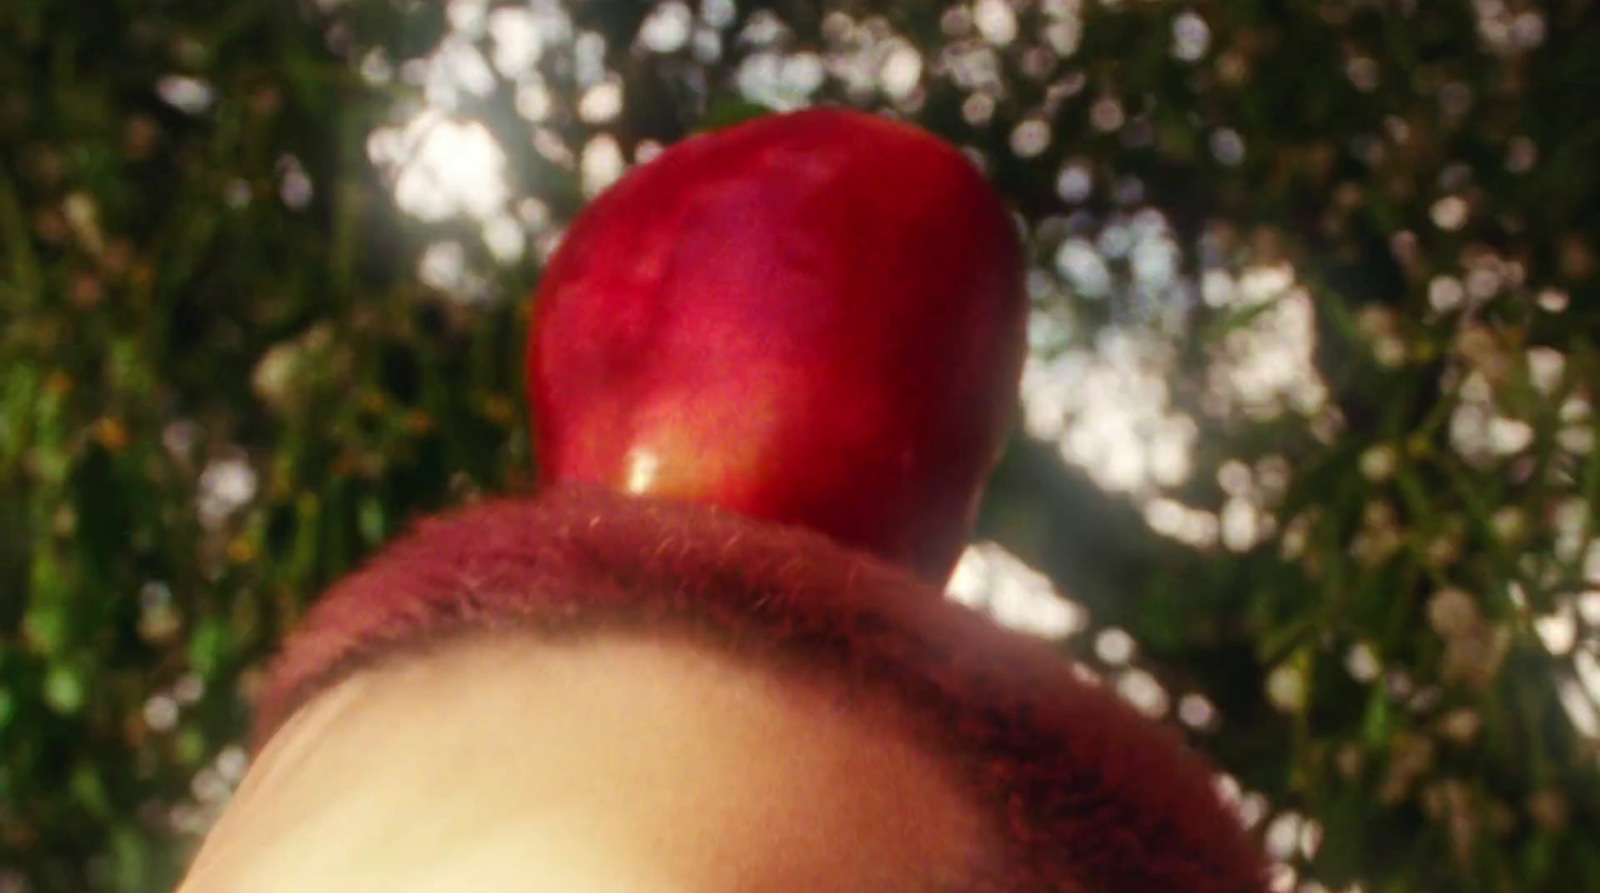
{"type": "Point", "coordinates": [1087, 794]}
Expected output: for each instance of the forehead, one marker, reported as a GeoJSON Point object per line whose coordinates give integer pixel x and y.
{"type": "Point", "coordinates": [612, 762]}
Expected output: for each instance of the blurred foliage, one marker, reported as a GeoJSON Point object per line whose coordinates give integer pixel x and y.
{"type": "Point", "coordinates": [231, 365]}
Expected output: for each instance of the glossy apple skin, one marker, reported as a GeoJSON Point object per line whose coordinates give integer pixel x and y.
{"type": "Point", "coordinates": [815, 318]}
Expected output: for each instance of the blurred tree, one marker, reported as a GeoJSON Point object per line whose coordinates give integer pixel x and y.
{"type": "Point", "coordinates": [1308, 432]}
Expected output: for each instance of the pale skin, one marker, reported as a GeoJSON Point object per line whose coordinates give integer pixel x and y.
{"type": "Point", "coordinates": [500, 764]}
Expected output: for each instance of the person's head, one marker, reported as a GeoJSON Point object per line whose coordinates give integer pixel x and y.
{"type": "Point", "coordinates": [582, 691]}
{"type": "Point", "coordinates": [816, 322]}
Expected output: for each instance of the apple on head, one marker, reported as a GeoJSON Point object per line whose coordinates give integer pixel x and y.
{"type": "Point", "coordinates": [814, 318]}
{"type": "Point", "coordinates": [770, 371]}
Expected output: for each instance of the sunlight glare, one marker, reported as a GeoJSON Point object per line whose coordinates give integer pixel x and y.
{"type": "Point", "coordinates": [999, 583]}
{"type": "Point", "coordinates": [446, 167]}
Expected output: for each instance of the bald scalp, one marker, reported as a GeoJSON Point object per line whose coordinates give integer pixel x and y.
{"type": "Point", "coordinates": [605, 762]}
{"type": "Point", "coordinates": [1085, 793]}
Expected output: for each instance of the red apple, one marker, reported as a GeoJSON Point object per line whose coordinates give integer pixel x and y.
{"type": "Point", "coordinates": [814, 318]}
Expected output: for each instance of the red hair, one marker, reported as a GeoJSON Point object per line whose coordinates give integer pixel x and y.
{"type": "Point", "coordinates": [1087, 794]}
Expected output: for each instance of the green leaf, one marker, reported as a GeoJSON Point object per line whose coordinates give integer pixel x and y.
{"type": "Point", "coordinates": [730, 109]}
{"type": "Point", "coordinates": [89, 790]}
{"type": "Point", "coordinates": [47, 628]}
{"type": "Point", "coordinates": [371, 521]}
{"type": "Point", "coordinates": [209, 645]}
{"type": "Point", "coordinates": [8, 708]}
{"type": "Point", "coordinates": [131, 862]}
{"type": "Point", "coordinates": [1376, 727]}
{"type": "Point", "coordinates": [64, 689]}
